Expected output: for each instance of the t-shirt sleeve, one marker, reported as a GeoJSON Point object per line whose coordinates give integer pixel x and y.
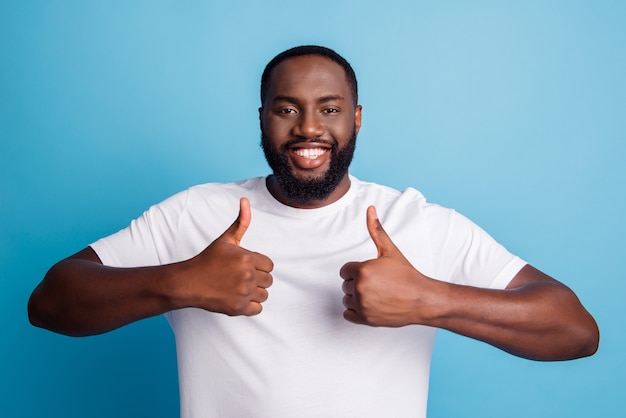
{"type": "Point", "coordinates": [470, 256]}
{"type": "Point", "coordinates": [145, 242]}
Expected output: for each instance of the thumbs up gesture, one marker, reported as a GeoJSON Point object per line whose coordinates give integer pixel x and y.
{"type": "Point", "coordinates": [225, 277]}
{"type": "Point", "coordinates": [385, 291]}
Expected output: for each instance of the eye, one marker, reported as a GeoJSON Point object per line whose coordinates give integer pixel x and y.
{"type": "Point", "coordinates": [287, 111]}
{"type": "Point", "coordinates": [331, 110]}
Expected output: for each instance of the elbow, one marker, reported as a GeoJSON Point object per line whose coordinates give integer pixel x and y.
{"type": "Point", "coordinates": [581, 334]}
{"type": "Point", "coordinates": [585, 333]}
{"type": "Point", "coordinates": [589, 339]}
{"type": "Point", "coordinates": [36, 315]}
{"type": "Point", "coordinates": [52, 305]}
{"type": "Point", "coordinates": [581, 340]}
{"type": "Point", "coordinates": [573, 343]}
{"type": "Point", "coordinates": [42, 307]}
{"type": "Point", "coordinates": [576, 336]}
{"type": "Point", "coordinates": [42, 314]}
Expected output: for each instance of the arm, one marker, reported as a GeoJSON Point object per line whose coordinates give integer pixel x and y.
{"type": "Point", "coordinates": [80, 296]}
{"type": "Point", "coordinates": [535, 317]}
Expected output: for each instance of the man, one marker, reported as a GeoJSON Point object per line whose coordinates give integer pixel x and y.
{"type": "Point", "coordinates": [319, 345]}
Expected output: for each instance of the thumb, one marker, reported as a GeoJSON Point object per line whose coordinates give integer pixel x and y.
{"type": "Point", "coordinates": [234, 233]}
{"type": "Point", "coordinates": [383, 242]}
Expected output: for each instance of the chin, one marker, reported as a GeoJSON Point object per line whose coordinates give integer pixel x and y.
{"type": "Point", "coordinates": [309, 175]}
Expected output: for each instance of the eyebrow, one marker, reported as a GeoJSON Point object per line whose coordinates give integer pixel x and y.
{"type": "Point", "coordinates": [330, 98]}
{"type": "Point", "coordinates": [323, 99]}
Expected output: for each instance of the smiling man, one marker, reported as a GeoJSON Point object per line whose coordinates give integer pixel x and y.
{"type": "Point", "coordinates": [309, 122]}
{"type": "Point", "coordinates": [306, 305]}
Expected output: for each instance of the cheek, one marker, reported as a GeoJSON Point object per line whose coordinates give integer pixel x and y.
{"type": "Point", "coordinates": [277, 128]}
{"type": "Point", "coordinates": [342, 130]}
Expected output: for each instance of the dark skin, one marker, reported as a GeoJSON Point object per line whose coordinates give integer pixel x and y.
{"type": "Point", "coordinates": [535, 317]}
{"type": "Point", "coordinates": [309, 98]}
{"type": "Point", "coordinates": [79, 296]}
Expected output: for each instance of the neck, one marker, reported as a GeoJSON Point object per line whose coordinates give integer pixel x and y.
{"type": "Point", "coordinates": [278, 193]}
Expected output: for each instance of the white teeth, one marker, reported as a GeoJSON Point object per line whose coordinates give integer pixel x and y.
{"type": "Point", "coordinates": [311, 153]}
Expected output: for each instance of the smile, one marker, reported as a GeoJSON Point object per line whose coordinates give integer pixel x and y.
{"type": "Point", "coordinates": [310, 153]}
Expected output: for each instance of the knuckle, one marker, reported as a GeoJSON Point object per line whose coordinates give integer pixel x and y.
{"type": "Point", "coordinates": [365, 269]}
{"type": "Point", "coordinates": [360, 287]}
{"type": "Point", "coordinates": [247, 276]}
{"type": "Point", "coordinates": [243, 291]}
{"type": "Point", "coordinates": [238, 307]}
{"type": "Point", "coordinates": [246, 259]}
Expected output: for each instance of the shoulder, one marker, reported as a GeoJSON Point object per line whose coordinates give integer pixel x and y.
{"type": "Point", "coordinates": [408, 213]}
{"type": "Point", "coordinates": [370, 190]}
{"type": "Point", "coordinates": [237, 187]}
{"type": "Point", "coordinates": [214, 193]}
{"type": "Point", "coordinates": [203, 198]}
{"type": "Point", "coordinates": [409, 199]}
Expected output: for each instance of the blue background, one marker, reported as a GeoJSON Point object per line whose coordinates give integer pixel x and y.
{"type": "Point", "coordinates": [514, 114]}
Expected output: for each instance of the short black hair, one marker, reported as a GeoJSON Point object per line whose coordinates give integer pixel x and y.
{"type": "Point", "coordinates": [303, 50]}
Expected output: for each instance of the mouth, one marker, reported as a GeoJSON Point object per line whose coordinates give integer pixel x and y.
{"type": "Point", "coordinates": [309, 155]}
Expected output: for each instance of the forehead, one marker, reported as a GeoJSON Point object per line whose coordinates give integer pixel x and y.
{"type": "Point", "coordinates": [310, 76]}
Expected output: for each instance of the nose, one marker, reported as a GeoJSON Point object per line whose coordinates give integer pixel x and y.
{"type": "Point", "coordinates": [309, 125]}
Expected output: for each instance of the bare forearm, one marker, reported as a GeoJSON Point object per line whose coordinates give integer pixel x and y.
{"type": "Point", "coordinates": [81, 297]}
{"type": "Point", "coordinates": [535, 317]}
{"type": "Point", "coordinates": [540, 321]}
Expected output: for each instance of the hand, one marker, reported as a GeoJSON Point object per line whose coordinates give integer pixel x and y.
{"type": "Point", "coordinates": [227, 278]}
{"type": "Point", "coordinates": [386, 291]}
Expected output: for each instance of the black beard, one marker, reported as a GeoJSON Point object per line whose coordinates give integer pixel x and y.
{"type": "Point", "coordinates": [301, 190]}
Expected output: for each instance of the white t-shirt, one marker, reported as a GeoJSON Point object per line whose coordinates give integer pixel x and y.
{"type": "Point", "coordinates": [299, 357]}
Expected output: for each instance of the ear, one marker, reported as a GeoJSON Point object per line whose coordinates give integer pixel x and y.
{"type": "Point", "coordinates": [357, 118]}
{"type": "Point", "coordinates": [261, 118]}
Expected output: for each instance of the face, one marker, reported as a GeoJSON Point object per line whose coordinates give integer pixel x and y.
{"type": "Point", "coordinates": [309, 124]}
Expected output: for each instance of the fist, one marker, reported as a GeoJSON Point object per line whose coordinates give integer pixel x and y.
{"type": "Point", "coordinates": [385, 291]}
{"type": "Point", "coordinates": [227, 278]}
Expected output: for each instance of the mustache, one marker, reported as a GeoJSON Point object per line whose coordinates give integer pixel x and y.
{"type": "Point", "coordinates": [296, 141]}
